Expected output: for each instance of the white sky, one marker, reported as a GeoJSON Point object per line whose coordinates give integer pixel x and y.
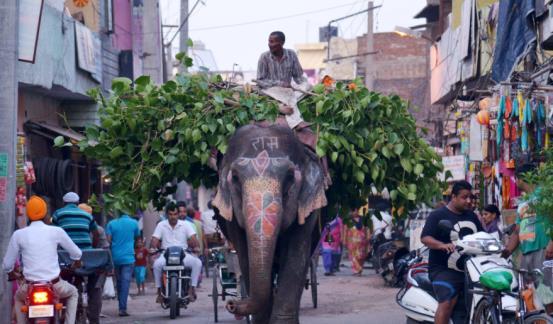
{"type": "Point", "coordinates": [243, 44]}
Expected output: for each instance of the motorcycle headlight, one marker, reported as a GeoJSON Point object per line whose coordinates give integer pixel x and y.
{"type": "Point", "coordinates": [489, 246]}
{"type": "Point", "coordinates": [173, 260]}
{"type": "Point", "coordinates": [492, 246]}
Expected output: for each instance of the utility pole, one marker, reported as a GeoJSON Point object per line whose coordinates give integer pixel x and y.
{"type": "Point", "coordinates": [183, 37]}
{"type": "Point", "coordinates": [8, 134]}
{"type": "Point", "coordinates": [369, 70]}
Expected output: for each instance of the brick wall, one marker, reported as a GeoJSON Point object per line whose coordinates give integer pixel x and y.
{"type": "Point", "coordinates": [401, 67]}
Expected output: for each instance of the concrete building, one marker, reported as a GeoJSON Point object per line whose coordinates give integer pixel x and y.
{"type": "Point", "coordinates": [72, 47]}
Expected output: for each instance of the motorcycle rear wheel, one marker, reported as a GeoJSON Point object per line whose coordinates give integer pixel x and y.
{"type": "Point", "coordinates": [173, 298]}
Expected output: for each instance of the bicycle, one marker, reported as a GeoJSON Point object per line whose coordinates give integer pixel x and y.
{"type": "Point", "coordinates": [497, 284]}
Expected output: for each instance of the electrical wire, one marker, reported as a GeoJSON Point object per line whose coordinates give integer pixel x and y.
{"type": "Point", "coordinates": [273, 19]}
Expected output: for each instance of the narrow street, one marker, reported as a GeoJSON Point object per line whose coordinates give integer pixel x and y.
{"type": "Point", "coordinates": [342, 299]}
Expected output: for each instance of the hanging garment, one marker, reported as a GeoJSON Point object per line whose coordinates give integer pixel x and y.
{"type": "Point", "coordinates": [540, 125]}
{"type": "Point", "coordinates": [505, 192]}
{"type": "Point", "coordinates": [514, 112]}
{"type": "Point", "coordinates": [526, 120]}
{"type": "Point", "coordinates": [520, 106]}
{"type": "Point", "coordinates": [508, 107]}
{"type": "Point", "coordinates": [501, 110]}
{"type": "Point", "coordinates": [499, 135]}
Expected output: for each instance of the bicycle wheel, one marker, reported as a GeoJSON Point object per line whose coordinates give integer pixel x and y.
{"type": "Point", "coordinates": [541, 318]}
{"type": "Point", "coordinates": [485, 313]}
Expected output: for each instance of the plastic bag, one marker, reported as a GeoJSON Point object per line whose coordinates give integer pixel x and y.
{"type": "Point", "coordinates": [109, 289]}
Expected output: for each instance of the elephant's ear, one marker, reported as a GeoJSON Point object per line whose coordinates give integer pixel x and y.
{"type": "Point", "coordinates": [312, 195]}
{"type": "Point", "coordinates": [222, 199]}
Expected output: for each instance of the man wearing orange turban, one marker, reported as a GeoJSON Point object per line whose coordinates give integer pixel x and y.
{"type": "Point", "coordinates": [38, 246]}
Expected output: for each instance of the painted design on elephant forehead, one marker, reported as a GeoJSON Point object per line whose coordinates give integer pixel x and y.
{"type": "Point", "coordinates": [262, 207]}
{"type": "Point", "coordinates": [261, 162]}
{"type": "Point", "coordinates": [264, 143]}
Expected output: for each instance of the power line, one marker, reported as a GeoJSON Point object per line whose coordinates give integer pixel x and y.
{"type": "Point", "coordinates": [273, 19]}
{"type": "Point", "coordinates": [184, 21]}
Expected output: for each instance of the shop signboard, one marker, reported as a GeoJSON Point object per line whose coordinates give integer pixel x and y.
{"type": "Point", "coordinates": [456, 165]}
{"type": "Point", "coordinates": [29, 15]}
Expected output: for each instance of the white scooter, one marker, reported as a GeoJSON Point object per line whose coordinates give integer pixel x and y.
{"type": "Point", "coordinates": [475, 254]}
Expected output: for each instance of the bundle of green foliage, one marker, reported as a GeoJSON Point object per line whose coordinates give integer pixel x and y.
{"type": "Point", "coordinates": [149, 136]}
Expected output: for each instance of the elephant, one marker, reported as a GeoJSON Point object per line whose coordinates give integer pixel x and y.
{"type": "Point", "coordinates": [269, 185]}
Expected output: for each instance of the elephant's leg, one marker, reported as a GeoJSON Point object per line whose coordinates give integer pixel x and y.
{"type": "Point", "coordinates": [292, 273]}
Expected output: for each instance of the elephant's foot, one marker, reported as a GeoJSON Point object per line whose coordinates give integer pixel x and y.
{"type": "Point", "coordinates": [239, 307]}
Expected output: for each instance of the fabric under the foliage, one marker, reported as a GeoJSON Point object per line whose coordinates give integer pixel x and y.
{"type": "Point", "coordinates": [515, 36]}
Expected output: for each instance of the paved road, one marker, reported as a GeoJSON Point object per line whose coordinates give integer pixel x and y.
{"type": "Point", "coordinates": [342, 299]}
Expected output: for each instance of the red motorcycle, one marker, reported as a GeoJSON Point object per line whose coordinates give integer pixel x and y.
{"type": "Point", "coordinates": [42, 305]}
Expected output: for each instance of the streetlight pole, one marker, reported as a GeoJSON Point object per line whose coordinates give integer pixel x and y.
{"type": "Point", "coordinates": [8, 134]}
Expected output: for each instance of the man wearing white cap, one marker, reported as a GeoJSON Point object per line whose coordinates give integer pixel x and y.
{"type": "Point", "coordinates": [78, 224]}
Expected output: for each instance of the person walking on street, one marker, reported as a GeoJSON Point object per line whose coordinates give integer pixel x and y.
{"type": "Point", "coordinates": [38, 246]}
{"type": "Point", "coordinates": [175, 232]}
{"type": "Point", "coordinates": [121, 233]}
{"type": "Point", "coordinates": [140, 265]}
{"type": "Point", "coordinates": [83, 230]}
{"type": "Point", "coordinates": [356, 239]}
{"type": "Point", "coordinates": [331, 245]}
{"type": "Point", "coordinates": [448, 284]}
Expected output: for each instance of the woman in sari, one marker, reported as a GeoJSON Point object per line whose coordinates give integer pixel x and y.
{"type": "Point", "coordinates": [331, 245]}
{"type": "Point", "coordinates": [356, 239]}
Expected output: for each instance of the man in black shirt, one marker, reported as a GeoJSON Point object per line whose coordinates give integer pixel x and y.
{"type": "Point", "coordinates": [447, 282]}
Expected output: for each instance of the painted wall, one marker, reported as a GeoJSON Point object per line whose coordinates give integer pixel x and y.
{"type": "Point", "coordinates": [122, 38]}
{"type": "Point", "coordinates": [56, 59]}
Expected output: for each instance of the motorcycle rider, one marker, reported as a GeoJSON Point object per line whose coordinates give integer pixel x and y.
{"type": "Point", "coordinates": [446, 282]}
{"type": "Point", "coordinates": [38, 246]}
{"type": "Point", "coordinates": [79, 224]}
{"type": "Point", "coordinates": [176, 232]}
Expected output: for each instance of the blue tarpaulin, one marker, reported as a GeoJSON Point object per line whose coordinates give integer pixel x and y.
{"type": "Point", "coordinates": [515, 36]}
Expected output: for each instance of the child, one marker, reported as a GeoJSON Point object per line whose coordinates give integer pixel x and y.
{"type": "Point", "coordinates": [141, 256]}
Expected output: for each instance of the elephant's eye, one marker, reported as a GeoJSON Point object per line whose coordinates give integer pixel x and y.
{"type": "Point", "coordinates": [235, 178]}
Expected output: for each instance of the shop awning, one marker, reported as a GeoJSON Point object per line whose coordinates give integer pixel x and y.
{"type": "Point", "coordinates": [51, 131]}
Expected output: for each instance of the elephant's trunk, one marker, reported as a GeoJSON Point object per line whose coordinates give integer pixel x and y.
{"type": "Point", "coordinates": [263, 209]}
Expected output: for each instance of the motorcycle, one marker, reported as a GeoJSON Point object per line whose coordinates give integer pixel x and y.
{"type": "Point", "coordinates": [473, 255]}
{"type": "Point", "coordinates": [386, 255]}
{"type": "Point", "coordinates": [176, 281]}
{"type": "Point", "coordinates": [96, 264]}
{"type": "Point", "coordinates": [42, 304]}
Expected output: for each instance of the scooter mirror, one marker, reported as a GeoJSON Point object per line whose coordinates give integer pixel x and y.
{"type": "Point", "coordinates": [445, 225]}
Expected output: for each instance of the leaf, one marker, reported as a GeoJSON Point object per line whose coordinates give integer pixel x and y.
{"type": "Point", "coordinates": [398, 149]}
{"type": "Point", "coordinates": [116, 152]}
{"type": "Point", "coordinates": [196, 135]}
{"type": "Point", "coordinates": [386, 152]}
{"type": "Point", "coordinates": [319, 107]}
{"type": "Point", "coordinates": [393, 194]}
{"type": "Point", "coordinates": [58, 141]}
{"type": "Point", "coordinates": [406, 165]}
{"type": "Point", "coordinates": [143, 80]}
{"type": "Point", "coordinates": [334, 156]}
{"type": "Point", "coordinates": [120, 84]}
{"type": "Point", "coordinates": [320, 151]}
{"type": "Point", "coordinates": [360, 176]}
{"type": "Point", "coordinates": [374, 172]}
{"type": "Point", "coordinates": [411, 196]}
{"type": "Point", "coordinates": [418, 169]}
{"type": "Point", "coordinates": [230, 128]}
